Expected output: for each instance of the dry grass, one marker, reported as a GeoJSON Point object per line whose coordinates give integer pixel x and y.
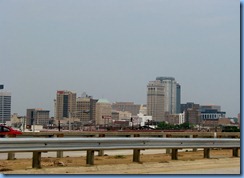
{"type": "Point", "coordinates": [18, 164]}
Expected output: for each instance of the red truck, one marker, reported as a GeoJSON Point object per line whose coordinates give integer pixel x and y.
{"type": "Point", "coordinates": [5, 130]}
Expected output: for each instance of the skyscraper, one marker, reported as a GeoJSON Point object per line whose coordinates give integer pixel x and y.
{"type": "Point", "coordinates": [178, 98]}
{"type": "Point", "coordinates": [172, 94]}
{"type": "Point", "coordinates": [86, 108]}
{"type": "Point", "coordinates": [155, 100]}
{"type": "Point", "coordinates": [65, 103]}
{"type": "Point", "coordinates": [5, 106]}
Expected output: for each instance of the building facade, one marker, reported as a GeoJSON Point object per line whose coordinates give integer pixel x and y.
{"type": "Point", "coordinates": [37, 117]}
{"type": "Point", "coordinates": [209, 112]}
{"type": "Point", "coordinates": [143, 109]}
{"type": "Point", "coordinates": [124, 115]}
{"type": "Point", "coordinates": [86, 109]}
{"type": "Point", "coordinates": [188, 105]}
{"type": "Point", "coordinates": [175, 118]}
{"type": "Point", "coordinates": [127, 106]}
{"type": "Point", "coordinates": [191, 112]}
{"type": "Point", "coordinates": [65, 104]}
{"type": "Point", "coordinates": [5, 107]}
{"type": "Point", "coordinates": [155, 100]}
{"type": "Point", "coordinates": [178, 98]}
{"type": "Point", "coordinates": [192, 116]}
{"type": "Point", "coordinates": [144, 119]}
{"type": "Point", "coordinates": [115, 115]}
{"type": "Point", "coordinates": [172, 94]}
{"type": "Point", "coordinates": [103, 112]}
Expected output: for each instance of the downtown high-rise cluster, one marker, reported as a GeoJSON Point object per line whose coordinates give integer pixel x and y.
{"type": "Point", "coordinates": [163, 96]}
{"type": "Point", "coordinates": [163, 104]}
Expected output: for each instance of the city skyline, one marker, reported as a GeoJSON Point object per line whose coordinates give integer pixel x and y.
{"type": "Point", "coordinates": [90, 96]}
{"type": "Point", "coordinates": [112, 49]}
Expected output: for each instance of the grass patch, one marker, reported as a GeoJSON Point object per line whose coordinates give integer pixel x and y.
{"type": "Point", "coordinates": [5, 169]}
{"type": "Point", "coordinates": [119, 156]}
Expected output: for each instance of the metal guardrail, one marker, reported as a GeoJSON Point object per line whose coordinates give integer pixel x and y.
{"type": "Point", "coordinates": [72, 144]}
{"type": "Point", "coordinates": [38, 145]}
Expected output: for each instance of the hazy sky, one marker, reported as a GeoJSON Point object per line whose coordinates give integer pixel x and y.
{"type": "Point", "coordinates": [112, 48]}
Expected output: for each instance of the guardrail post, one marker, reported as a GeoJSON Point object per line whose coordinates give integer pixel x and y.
{"type": "Point", "coordinates": [174, 155]}
{"type": "Point", "coordinates": [136, 155]}
{"type": "Point", "coordinates": [235, 152]}
{"type": "Point", "coordinates": [168, 150]}
{"type": "Point", "coordinates": [11, 155]}
{"type": "Point", "coordinates": [60, 154]}
{"type": "Point", "coordinates": [136, 152]}
{"type": "Point", "coordinates": [90, 157]}
{"type": "Point", "coordinates": [193, 136]}
{"type": "Point", "coordinates": [36, 160]}
{"type": "Point", "coordinates": [206, 152]}
{"type": "Point", "coordinates": [101, 152]}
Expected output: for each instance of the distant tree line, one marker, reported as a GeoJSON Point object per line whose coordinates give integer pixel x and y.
{"type": "Point", "coordinates": [167, 126]}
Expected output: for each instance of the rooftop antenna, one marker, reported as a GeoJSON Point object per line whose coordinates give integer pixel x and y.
{"type": "Point", "coordinates": [84, 95]}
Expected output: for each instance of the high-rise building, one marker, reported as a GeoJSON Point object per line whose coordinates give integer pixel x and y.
{"type": "Point", "coordinates": [155, 100]}
{"type": "Point", "coordinates": [65, 104]}
{"type": "Point", "coordinates": [172, 95]}
{"type": "Point", "coordinates": [37, 117]}
{"type": "Point", "coordinates": [5, 106]}
{"type": "Point", "coordinates": [192, 115]}
{"type": "Point", "coordinates": [103, 112]}
{"type": "Point", "coordinates": [86, 109]}
{"type": "Point", "coordinates": [178, 98]}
